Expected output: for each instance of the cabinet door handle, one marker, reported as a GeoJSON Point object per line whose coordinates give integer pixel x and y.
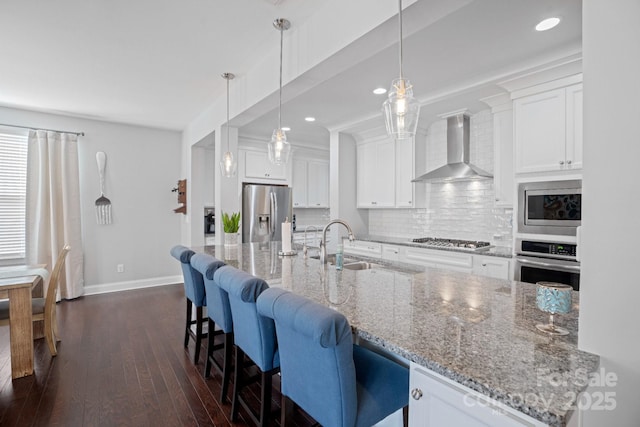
{"type": "Point", "coordinates": [568, 162]}
{"type": "Point", "coordinates": [484, 264]}
{"type": "Point", "coordinates": [416, 393]}
{"type": "Point", "coordinates": [561, 162]}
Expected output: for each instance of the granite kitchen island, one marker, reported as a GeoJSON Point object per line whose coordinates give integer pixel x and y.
{"type": "Point", "coordinates": [477, 332]}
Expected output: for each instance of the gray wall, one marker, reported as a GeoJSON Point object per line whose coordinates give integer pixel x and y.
{"type": "Point", "coordinates": [143, 165]}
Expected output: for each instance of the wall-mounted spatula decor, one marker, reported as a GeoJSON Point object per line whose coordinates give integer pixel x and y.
{"type": "Point", "coordinates": [103, 205]}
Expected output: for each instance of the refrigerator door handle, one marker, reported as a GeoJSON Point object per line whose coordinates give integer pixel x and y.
{"type": "Point", "coordinates": [274, 212]}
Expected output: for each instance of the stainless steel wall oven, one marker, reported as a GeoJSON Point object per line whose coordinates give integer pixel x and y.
{"type": "Point", "coordinates": [542, 261]}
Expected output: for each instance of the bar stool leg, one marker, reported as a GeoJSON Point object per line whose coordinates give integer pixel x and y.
{"type": "Point", "coordinates": [210, 349]}
{"type": "Point", "coordinates": [226, 373]}
{"type": "Point", "coordinates": [237, 383]}
{"type": "Point", "coordinates": [188, 324]}
{"type": "Point", "coordinates": [265, 398]}
{"type": "Point", "coordinates": [286, 415]}
{"type": "Point", "coordinates": [198, 335]}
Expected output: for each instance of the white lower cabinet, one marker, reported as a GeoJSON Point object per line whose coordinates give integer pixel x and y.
{"type": "Point", "coordinates": [439, 259]}
{"type": "Point", "coordinates": [363, 248]}
{"type": "Point", "coordinates": [436, 401]}
{"type": "Point", "coordinates": [393, 252]}
{"type": "Point", "coordinates": [491, 267]}
{"type": "Point", "coordinates": [481, 265]}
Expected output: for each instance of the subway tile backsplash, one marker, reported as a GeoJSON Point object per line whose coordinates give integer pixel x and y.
{"type": "Point", "coordinates": [311, 216]}
{"type": "Point", "coordinates": [457, 210]}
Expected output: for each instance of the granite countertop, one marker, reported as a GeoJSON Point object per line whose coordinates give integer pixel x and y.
{"type": "Point", "coordinates": [477, 331]}
{"type": "Point", "coordinates": [497, 251]}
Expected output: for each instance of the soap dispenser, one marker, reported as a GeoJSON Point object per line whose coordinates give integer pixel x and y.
{"type": "Point", "coordinates": [339, 257]}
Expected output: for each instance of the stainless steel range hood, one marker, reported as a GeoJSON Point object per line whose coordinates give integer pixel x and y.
{"type": "Point", "coordinates": [458, 167]}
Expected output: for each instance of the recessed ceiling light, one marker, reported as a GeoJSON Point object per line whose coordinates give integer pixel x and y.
{"type": "Point", "coordinates": [310, 119]}
{"type": "Point", "coordinates": [379, 91]}
{"type": "Point", "coordinates": [547, 24]}
{"type": "Point", "coordinates": [286, 128]}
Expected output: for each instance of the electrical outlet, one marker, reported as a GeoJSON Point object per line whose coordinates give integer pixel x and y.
{"type": "Point", "coordinates": [120, 268]}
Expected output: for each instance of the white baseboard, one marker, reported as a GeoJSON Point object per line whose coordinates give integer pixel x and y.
{"type": "Point", "coordinates": [132, 284]}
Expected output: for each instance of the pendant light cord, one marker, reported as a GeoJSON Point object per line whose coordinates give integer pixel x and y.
{"type": "Point", "coordinates": [280, 93]}
{"type": "Point", "coordinates": [227, 113]}
{"type": "Point", "coordinates": [400, 31]}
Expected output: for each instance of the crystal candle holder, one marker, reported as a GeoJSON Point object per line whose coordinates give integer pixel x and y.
{"type": "Point", "coordinates": [553, 298]}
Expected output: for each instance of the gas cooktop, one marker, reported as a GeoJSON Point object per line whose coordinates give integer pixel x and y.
{"type": "Point", "coordinates": [451, 243]}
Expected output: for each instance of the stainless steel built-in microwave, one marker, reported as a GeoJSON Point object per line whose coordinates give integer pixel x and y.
{"type": "Point", "coordinates": [550, 207]}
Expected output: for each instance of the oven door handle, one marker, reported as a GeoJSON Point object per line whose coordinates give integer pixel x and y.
{"type": "Point", "coordinates": [549, 265]}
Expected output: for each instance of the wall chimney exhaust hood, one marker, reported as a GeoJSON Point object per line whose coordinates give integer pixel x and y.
{"type": "Point", "coordinates": [458, 167]}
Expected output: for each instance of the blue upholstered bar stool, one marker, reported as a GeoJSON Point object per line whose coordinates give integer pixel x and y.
{"type": "Point", "coordinates": [195, 293]}
{"type": "Point", "coordinates": [219, 313]}
{"type": "Point", "coordinates": [334, 381]}
{"type": "Point", "coordinates": [254, 336]}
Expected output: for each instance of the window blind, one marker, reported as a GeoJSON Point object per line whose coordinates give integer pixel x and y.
{"type": "Point", "coordinates": [13, 189]}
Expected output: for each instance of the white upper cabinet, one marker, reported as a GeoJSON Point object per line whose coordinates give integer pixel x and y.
{"type": "Point", "coordinates": [548, 130]}
{"type": "Point", "coordinates": [376, 174]}
{"type": "Point", "coordinates": [299, 183]}
{"type": "Point", "coordinates": [574, 126]}
{"type": "Point", "coordinates": [258, 166]}
{"type": "Point", "coordinates": [310, 183]}
{"type": "Point", "coordinates": [404, 173]}
{"type": "Point", "coordinates": [503, 175]}
{"type": "Point", "coordinates": [385, 169]}
{"type": "Point", "coordinates": [540, 131]}
{"type": "Point", "coordinates": [318, 184]}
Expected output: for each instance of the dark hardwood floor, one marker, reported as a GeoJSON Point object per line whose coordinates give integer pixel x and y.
{"type": "Point", "coordinates": [121, 362]}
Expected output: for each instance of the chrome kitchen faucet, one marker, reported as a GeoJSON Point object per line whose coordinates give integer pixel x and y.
{"type": "Point", "coordinates": [323, 242]}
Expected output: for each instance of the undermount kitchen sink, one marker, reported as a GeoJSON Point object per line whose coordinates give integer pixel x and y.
{"type": "Point", "coordinates": [331, 258]}
{"type": "Point", "coordinates": [349, 263]}
{"type": "Point", "coordinates": [360, 265]}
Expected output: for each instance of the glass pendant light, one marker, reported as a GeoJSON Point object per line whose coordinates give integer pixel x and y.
{"type": "Point", "coordinates": [279, 148]}
{"type": "Point", "coordinates": [228, 164]}
{"type": "Point", "coordinates": [401, 109]}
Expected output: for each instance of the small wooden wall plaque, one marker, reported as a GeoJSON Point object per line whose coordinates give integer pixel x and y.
{"type": "Point", "coordinates": [182, 196]}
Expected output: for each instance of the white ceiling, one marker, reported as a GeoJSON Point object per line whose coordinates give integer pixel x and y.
{"type": "Point", "coordinates": [452, 64]}
{"type": "Point", "coordinates": [158, 62]}
{"type": "Point", "coordinates": [149, 62]}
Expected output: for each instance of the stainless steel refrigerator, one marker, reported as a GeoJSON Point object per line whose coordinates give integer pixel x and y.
{"type": "Point", "coordinates": [264, 209]}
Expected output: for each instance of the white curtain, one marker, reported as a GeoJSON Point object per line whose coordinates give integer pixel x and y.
{"type": "Point", "coordinates": [53, 206]}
